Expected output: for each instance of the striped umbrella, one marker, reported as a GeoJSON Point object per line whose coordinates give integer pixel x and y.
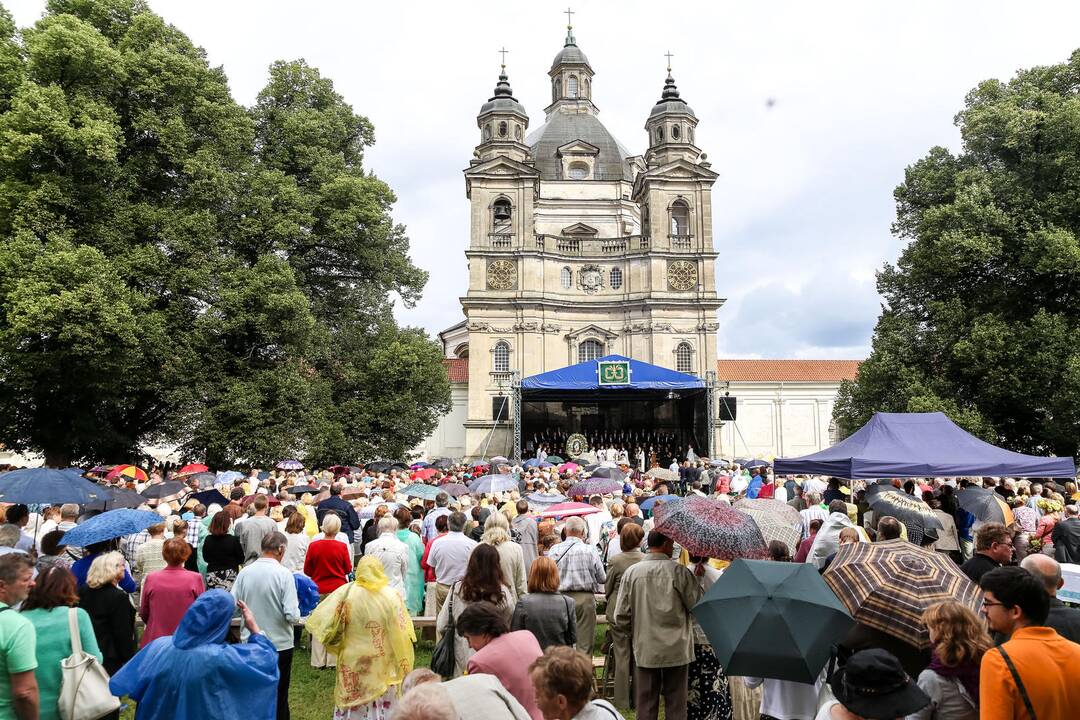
{"type": "Point", "coordinates": [290, 465]}
{"type": "Point", "coordinates": [127, 471]}
{"type": "Point", "coordinates": [985, 505]}
{"type": "Point", "coordinates": [709, 528]}
{"type": "Point", "coordinates": [888, 585]}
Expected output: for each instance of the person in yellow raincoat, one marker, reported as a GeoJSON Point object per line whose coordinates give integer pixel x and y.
{"type": "Point", "coordinates": [365, 623]}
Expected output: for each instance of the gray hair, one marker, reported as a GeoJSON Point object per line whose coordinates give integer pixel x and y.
{"type": "Point", "coordinates": [9, 535]}
{"type": "Point", "coordinates": [11, 564]}
{"type": "Point", "coordinates": [331, 524]}
{"type": "Point", "coordinates": [274, 542]}
{"type": "Point", "coordinates": [575, 526]}
{"type": "Point", "coordinates": [442, 499]}
{"type": "Point", "coordinates": [813, 498]}
{"type": "Point", "coordinates": [456, 522]}
{"type": "Point", "coordinates": [427, 701]}
{"type": "Point", "coordinates": [388, 523]}
{"type": "Point", "coordinates": [1072, 510]}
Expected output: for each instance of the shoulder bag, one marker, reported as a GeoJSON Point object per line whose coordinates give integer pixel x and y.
{"type": "Point", "coordinates": [1019, 683]}
{"type": "Point", "coordinates": [443, 657]}
{"type": "Point", "coordinates": [84, 684]}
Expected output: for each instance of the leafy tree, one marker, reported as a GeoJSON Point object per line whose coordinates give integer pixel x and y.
{"type": "Point", "coordinates": [982, 314]}
{"type": "Point", "coordinates": [175, 268]}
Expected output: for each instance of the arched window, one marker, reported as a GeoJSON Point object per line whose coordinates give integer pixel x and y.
{"type": "Point", "coordinates": [571, 86]}
{"type": "Point", "coordinates": [684, 358]}
{"type": "Point", "coordinates": [616, 278]}
{"type": "Point", "coordinates": [589, 350]}
{"type": "Point", "coordinates": [680, 219]}
{"type": "Point", "coordinates": [566, 277]}
{"type": "Point", "coordinates": [503, 129]}
{"type": "Point", "coordinates": [556, 91]}
{"type": "Point", "coordinates": [502, 217]}
{"type": "Point", "coordinates": [585, 88]}
{"type": "Point", "coordinates": [578, 171]}
{"type": "Point", "coordinates": [500, 360]}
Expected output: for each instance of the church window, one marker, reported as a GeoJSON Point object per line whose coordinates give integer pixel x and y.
{"type": "Point", "coordinates": [503, 129]}
{"type": "Point", "coordinates": [589, 350]}
{"type": "Point", "coordinates": [517, 133]}
{"type": "Point", "coordinates": [578, 171]}
{"type": "Point", "coordinates": [690, 134]}
{"type": "Point", "coordinates": [487, 131]}
{"type": "Point", "coordinates": [684, 358]}
{"type": "Point", "coordinates": [500, 361]}
{"type": "Point", "coordinates": [502, 217]}
{"type": "Point", "coordinates": [572, 86]}
{"type": "Point", "coordinates": [675, 132]}
{"type": "Point", "coordinates": [585, 87]}
{"type": "Point", "coordinates": [645, 230]}
{"type": "Point", "coordinates": [659, 135]}
{"type": "Point", "coordinates": [680, 219]}
{"type": "Point", "coordinates": [557, 92]}
{"type": "Point", "coordinates": [616, 278]}
{"type": "Point", "coordinates": [566, 278]}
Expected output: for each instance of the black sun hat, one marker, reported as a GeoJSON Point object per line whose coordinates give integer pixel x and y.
{"type": "Point", "coordinates": [873, 685]}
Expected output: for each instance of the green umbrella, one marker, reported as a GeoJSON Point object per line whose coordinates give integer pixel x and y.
{"type": "Point", "coordinates": [420, 490]}
{"type": "Point", "coordinates": [772, 619]}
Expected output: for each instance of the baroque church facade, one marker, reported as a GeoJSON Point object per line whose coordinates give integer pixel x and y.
{"type": "Point", "coordinates": [578, 248]}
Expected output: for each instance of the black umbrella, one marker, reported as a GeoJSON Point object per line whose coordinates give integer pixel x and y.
{"type": "Point", "coordinates": [379, 466]}
{"type": "Point", "coordinates": [612, 473]}
{"type": "Point", "coordinates": [210, 497]}
{"type": "Point", "coordinates": [299, 490]}
{"type": "Point", "coordinates": [986, 505]}
{"type": "Point", "coordinates": [442, 463]}
{"type": "Point", "coordinates": [907, 509]}
{"type": "Point", "coordinates": [117, 497]}
{"type": "Point", "coordinates": [774, 620]}
{"type": "Point", "coordinates": [169, 490]}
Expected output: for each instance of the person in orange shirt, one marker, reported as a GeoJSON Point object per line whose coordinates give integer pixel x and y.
{"type": "Point", "coordinates": [1028, 676]}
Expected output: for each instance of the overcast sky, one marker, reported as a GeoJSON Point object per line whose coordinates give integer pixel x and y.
{"type": "Point", "coordinates": [809, 111]}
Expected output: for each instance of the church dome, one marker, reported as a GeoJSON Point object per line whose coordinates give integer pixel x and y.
{"type": "Point", "coordinates": [503, 100]}
{"type": "Point", "coordinates": [669, 101]}
{"type": "Point", "coordinates": [565, 127]}
{"type": "Point", "coordinates": [570, 55]}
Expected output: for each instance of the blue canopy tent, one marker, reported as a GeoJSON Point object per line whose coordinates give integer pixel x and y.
{"type": "Point", "coordinates": [920, 445]}
{"type": "Point", "coordinates": [611, 394]}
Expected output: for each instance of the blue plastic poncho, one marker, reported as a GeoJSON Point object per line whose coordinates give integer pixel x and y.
{"type": "Point", "coordinates": [195, 674]}
{"type": "Point", "coordinates": [307, 593]}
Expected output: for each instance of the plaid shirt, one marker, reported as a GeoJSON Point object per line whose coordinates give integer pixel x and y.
{"type": "Point", "coordinates": [131, 544]}
{"type": "Point", "coordinates": [193, 532]}
{"type": "Point", "coordinates": [580, 568]}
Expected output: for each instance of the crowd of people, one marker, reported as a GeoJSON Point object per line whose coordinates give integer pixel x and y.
{"type": "Point", "coordinates": [200, 613]}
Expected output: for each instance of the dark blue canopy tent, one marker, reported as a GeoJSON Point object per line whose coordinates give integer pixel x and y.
{"type": "Point", "coordinates": [585, 376]}
{"type": "Point", "coordinates": [577, 399]}
{"type": "Point", "coordinates": [920, 445]}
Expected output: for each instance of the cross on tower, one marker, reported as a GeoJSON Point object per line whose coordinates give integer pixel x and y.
{"type": "Point", "coordinates": [569, 19]}
{"type": "Point", "coordinates": [503, 53]}
{"type": "Point", "coordinates": [668, 55]}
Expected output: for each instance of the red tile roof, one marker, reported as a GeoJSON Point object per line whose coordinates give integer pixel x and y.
{"type": "Point", "coordinates": [786, 370]}
{"type": "Point", "coordinates": [457, 369]}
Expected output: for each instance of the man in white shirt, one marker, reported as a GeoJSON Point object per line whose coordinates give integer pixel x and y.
{"type": "Point", "coordinates": [813, 511]}
{"type": "Point", "coordinates": [449, 557]}
{"type": "Point", "coordinates": [391, 552]}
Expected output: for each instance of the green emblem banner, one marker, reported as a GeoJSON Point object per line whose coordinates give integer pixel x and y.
{"type": "Point", "coordinates": [616, 372]}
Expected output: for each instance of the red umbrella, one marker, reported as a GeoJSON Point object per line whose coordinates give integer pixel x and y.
{"type": "Point", "coordinates": [424, 473]}
{"type": "Point", "coordinates": [192, 468]}
{"type": "Point", "coordinates": [710, 528]}
{"type": "Point", "coordinates": [567, 509]}
{"type": "Point", "coordinates": [339, 470]}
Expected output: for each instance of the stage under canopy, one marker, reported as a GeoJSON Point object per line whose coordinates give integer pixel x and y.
{"type": "Point", "coordinates": [616, 398]}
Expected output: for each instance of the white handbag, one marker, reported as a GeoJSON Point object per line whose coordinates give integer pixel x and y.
{"type": "Point", "coordinates": [84, 684]}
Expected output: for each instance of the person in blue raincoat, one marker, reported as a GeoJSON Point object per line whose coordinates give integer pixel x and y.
{"type": "Point", "coordinates": [193, 674]}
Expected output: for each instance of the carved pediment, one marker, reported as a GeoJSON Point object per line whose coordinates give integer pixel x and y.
{"type": "Point", "coordinates": [578, 148]}
{"type": "Point", "coordinates": [580, 229]}
{"type": "Point", "coordinates": [593, 330]}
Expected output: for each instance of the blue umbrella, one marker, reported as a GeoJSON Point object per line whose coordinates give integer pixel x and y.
{"type": "Point", "coordinates": [109, 525]}
{"type": "Point", "coordinates": [531, 462]}
{"type": "Point", "coordinates": [755, 464]}
{"type": "Point", "coordinates": [420, 490]}
{"type": "Point", "coordinates": [648, 503]}
{"type": "Point", "coordinates": [228, 476]}
{"type": "Point", "coordinates": [492, 484]}
{"type": "Point", "coordinates": [47, 486]}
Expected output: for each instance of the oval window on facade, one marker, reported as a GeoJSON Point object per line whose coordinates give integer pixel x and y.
{"type": "Point", "coordinates": [675, 132]}
{"type": "Point", "coordinates": [503, 129]}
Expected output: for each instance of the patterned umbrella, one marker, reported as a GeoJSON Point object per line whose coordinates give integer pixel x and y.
{"type": "Point", "coordinates": [205, 480]}
{"type": "Point", "coordinates": [128, 471]}
{"type": "Point", "coordinates": [568, 509]}
{"type": "Point", "coordinates": [290, 465]}
{"type": "Point", "coordinates": [595, 486]}
{"type": "Point", "coordinates": [710, 528]}
{"type": "Point", "coordinates": [226, 477]}
{"type": "Point", "coordinates": [454, 489]}
{"type": "Point", "coordinates": [905, 508]}
{"type": "Point", "coordinates": [776, 520]}
{"type": "Point", "coordinates": [489, 484]}
{"type": "Point", "coordinates": [888, 585]}
{"type": "Point", "coordinates": [985, 505]}
{"type": "Point", "coordinates": [662, 474]}
{"type": "Point", "coordinates": [420, 490]}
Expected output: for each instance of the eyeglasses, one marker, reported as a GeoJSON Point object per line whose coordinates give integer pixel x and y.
{"type": "Point", "coordinates": [988, 604]}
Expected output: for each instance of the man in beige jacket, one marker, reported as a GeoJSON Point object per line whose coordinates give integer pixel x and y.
{"type": "Point", "coordinates": [653, 607]}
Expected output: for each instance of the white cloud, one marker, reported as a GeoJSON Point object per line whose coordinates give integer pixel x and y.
{"type": "Point", "coordinates": [804, 201]}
